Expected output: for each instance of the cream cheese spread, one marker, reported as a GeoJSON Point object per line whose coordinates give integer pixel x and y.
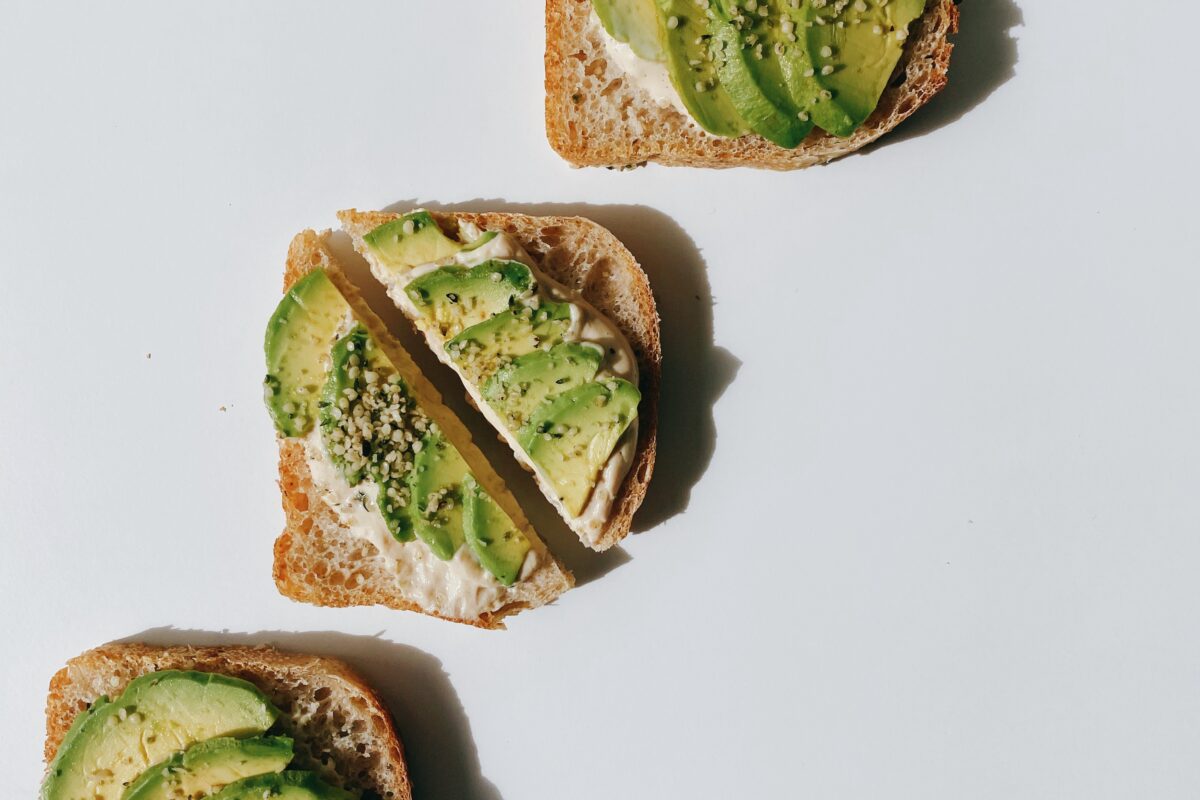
{"type": "Point", "coordinates": [588, 325]}
{"type": "Point", "coordinates": [652, 77]}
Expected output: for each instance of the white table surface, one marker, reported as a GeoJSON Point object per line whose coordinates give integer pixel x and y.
{"type": "Point", "coordinates": [925, 518]}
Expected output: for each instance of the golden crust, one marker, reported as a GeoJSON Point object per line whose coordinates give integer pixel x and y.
{"type": "Point", "coordinates": [594, 119]}
{"type": "Point", "coordinates": [369, 759]}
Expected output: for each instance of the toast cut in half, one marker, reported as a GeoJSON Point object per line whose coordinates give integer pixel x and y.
{"type": "Point", "coordinates": [595, 117]}
{"type": "Point", "coordinates": [319, 559]}
{"type": "Point", "coordinates": [342, 730]}
{"type": "Point", "coordinates": [590, 264]}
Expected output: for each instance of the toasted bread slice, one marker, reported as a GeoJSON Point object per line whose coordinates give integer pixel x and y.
{"type": "Point", "coordinates": [317, 559]}
{"type": "Point", "coordinates": [341, 729]}
{"type": "Point", "coordinates": [596, 118]}
{"type": "Point", "coordinates": [587, 259]}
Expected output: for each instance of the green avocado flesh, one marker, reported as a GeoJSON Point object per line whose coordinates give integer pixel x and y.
{"type": "Point", "coordinates": [853, 61]}
{"type": "Point", "coordinates": [491, 535]}
{"type": "Point", "coordinates": [368, 421]}
{"type": "Point", "coordinates": [481, 349]}
{"type": "Point", "coordinates": [519, 387]}
{"type": "Point", "coordinates": [290, 785]}
{"type": "Point", "coordinates": [347, 361]}
{"type": "Point", "coordinates": [297, 342]}
{"type": "Point", "coordinates": [410, 240]}
{"type": "Point", "coordinates": [479, 242]}
{"type": "Point", "coordinates": [455, 297]}
{"type": "Point", "coordinates": [157, 715]}
{"type": "Point", "coordinates": [693, 56]}
{"type": "Point", "coordinates": [773, 67]}
{"type": "Point", "coordinates": [572, 435]}
{"type": "Point", "coordinates": [436, 483]}
{"type": "Point", "coordinates": [750, 71]}
{"type": "Point", "coordinates": [371, 427]}
{"type": "Point", "coordinates": [205, 767]}
{"type": "Point", "coordinates": [634, 22]}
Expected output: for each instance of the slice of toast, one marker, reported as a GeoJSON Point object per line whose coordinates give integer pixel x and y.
{"type": "Point", "coordinates": [342, 730]}
{"type": "Point", "coordinates": [596, 118]}
{"type": "Point", "coordinates": [588, 259]}
{"type": "Point", "coordinates": [317, 559]}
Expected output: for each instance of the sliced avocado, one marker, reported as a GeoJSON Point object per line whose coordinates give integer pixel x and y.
{"type": "Point", "coordinates": [207, 766]}
{"type": "Point", "coordinates": [297, 342]}
{"type": "Point", "coordinates": [342, 388]}
{"type": "Point", "coordinates": [412, 239]}
{"type": "Point", "coordinates": [493, 538]}
{"type": "Point", "coordinates": [367, 416]}
{"type": "Point", "coordinates": [749, 70]}
{"type": "Point", "coordinates": [290, 785]}
{"type": "Point", "coordinates": [455, 297]}
{"type": "Point", "coordinates": [482, 348]}
{"type": "Point", "coordinates": [157, 715]}
{"type": "Point", "coordinates": [572, 435]}
{"type": "Point", "coordinates": [392, 457]}
{"type": "Point", "coordinates": [436, 484]}
{"type": "Point", "coordinates": [854, 48]}
{"type": "Point", "coordinates": [519, 387]}
{"type": "Point", "coordinates": [690, 49]}
{"type": "Point", "coordinates": [634, 22]}
{"type": "Point", "coordinates": [479, 241]}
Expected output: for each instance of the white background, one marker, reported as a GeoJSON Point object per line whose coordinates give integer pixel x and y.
{"type": "Point", "coordinates": [926, 512]}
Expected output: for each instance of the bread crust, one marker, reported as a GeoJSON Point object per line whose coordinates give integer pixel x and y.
{"type": "Point", "coordinates": [587, 258]}
{"type": "Point", "coordinates": [593, 118]}
{"type": "Point", "coordinates": [317, 559]}
{"type": "Point", "coordinates": [295, 683]}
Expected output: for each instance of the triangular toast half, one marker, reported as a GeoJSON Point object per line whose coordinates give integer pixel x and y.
{"type": "Point", "coordinates": [318, 557]}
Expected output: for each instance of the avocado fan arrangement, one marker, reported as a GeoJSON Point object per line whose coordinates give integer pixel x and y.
{"type": "Point", "coordinates": [174, 735]}
{"type": "Point", "coordinates": [777, 68]}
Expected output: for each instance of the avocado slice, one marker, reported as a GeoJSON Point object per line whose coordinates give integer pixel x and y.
{"type": "Point", "coordinates": [455, 297]}
{"type": "Point", "coordinates": [496, 543]}
{"type": "Point", "coordinates": [342, 387]}
{"type": "Point", "coordinates": [297, 341]}
{"type": "Point", "coordinates": [290, 785]}
{"type": "Point", "coordinates": [634, 22]}
{"type": "Point", "coordinates": [854, 48]}
{"type": "Point", "coordinates": [412, 239]}
{"type": "Point", "coordinates": [749, 70]}
{"type": "Point", "coordinates": [692, 59]}
{"type": "Point", "coordinates": [572, 435]}
{"type": "Point", "coordinates": [436, 485]}
{"type": "Point", "coordinates": [207, 766]}
{"type": "Point", "coordinates": [481, 349]}
{"type": "Point", "coordinates": [519, 387]}
{"type": "Point", "coordinates": [479, 241]}
{"type": "Point", "coordinates": [367, 417]}
{"type": "Point", "coordinates": [158, 714]}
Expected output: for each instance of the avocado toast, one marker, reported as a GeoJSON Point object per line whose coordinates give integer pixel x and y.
{"type": "Point", "coordinates": [387, 499]}
{"type": "Point", "coordinates": [552, 327]}
{"type": "Point", "coordinates": [777, 84]}
{"type": "Point", "coordinates": [138, 722]}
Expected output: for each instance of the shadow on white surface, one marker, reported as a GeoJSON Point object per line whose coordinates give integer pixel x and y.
{"type": "Point", "coordinates": [433, 726]}
{"type": "Point", "coordinates": [984, 59]}
{"type": "Point", "coordinates": [696, 372]}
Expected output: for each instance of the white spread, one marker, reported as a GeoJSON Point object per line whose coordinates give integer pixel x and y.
{"type": "Point", "coordinates": [652, 77]}
{"type": "Point", "coordinates": [458, 587]}
{"type": "Point", "coordinates": [588, 324]}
